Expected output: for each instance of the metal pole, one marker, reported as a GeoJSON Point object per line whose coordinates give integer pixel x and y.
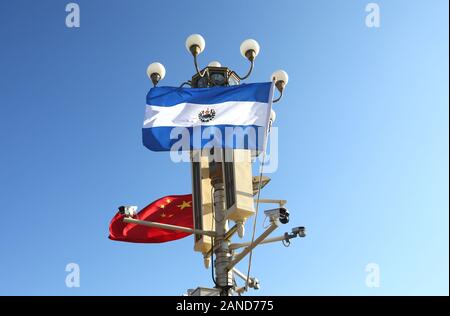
{"type": "Point", "coordinates": [247, 250]}
{"type": "Point", "coordinates": [240, 274]}
{"type": "Point", "coordinates": [224, 277]}
{"type": "Point", "coordinates": [170, 227]}
{"type": "Point", "coordinates": [228, 236]}
{"type": "Point", "coordinates": [269, 201]}
{"type": "Point", "coordinates": [265, 241]}
{"type": "Point", "coordinates": [253, 282]}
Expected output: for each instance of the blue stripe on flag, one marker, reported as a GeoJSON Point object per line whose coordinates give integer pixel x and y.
{"type": "Point", "coordinates": [169, 96]}
{"type": "Point", "coordinates": [157, 138]}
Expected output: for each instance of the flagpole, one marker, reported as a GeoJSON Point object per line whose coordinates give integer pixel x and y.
{"type": "Point", "coordinates": [169, 227]}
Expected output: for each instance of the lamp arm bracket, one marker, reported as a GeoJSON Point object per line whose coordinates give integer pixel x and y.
{"type": "Point", "coordinates": [186, 83]}
{"type": "Point", "coordinates": [201, 74]}
{"type": "Point", "coordinates": [252, 64]}
{"type": "Point", "coordinates": [279, 98]}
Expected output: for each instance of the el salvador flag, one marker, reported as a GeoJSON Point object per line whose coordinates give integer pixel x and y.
{"type": "Point", "coordinates": [196, 118]}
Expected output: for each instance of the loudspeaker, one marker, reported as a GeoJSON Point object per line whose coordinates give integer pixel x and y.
{"type": "Point", "coordinates": [201, 200]}
{"type": "Point", "coordinates": [237, 173]}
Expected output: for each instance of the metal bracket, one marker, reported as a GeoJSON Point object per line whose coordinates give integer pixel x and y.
{"type": "Point", "coordinates": [250, 247]}
{"type": "Point", "coordinates": [274, 201]}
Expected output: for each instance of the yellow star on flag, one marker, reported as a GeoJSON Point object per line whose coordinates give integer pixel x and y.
{"type": "Point", "coordinates": [184, 205]}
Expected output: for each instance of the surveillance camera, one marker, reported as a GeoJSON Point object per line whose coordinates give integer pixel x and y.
{"type": "Point", "coordinates": [281, 214]}
{"type": "Point", "coordinates": [254, 283]}
{"type": "Point", "coordinates": [128, 210]}
{"type": "Point", "coordinates": [300, 231]}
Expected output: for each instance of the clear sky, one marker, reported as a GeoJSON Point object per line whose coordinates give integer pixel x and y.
{"type": "Point", "coordinates": [363, 145]}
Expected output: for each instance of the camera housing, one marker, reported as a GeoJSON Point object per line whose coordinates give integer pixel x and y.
{"type": "Point", "coordinates": [128, 210]}
{"type": "Point", "coordinates": [254, 283]}
{"type": "Point", "coordinates": [299, 231]}
{"type": "Point", "coordinates": [281, 214]}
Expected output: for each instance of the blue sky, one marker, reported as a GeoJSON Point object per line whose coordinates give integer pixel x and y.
{"type": "Point", "coordinates": [363, 145]}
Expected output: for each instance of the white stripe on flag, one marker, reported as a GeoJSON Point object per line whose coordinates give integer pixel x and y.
{"type": "Point", "coordinates": [227, 113]}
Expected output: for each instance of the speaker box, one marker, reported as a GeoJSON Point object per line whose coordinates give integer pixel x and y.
{"type": "Point", "coordinates": [201, 200]}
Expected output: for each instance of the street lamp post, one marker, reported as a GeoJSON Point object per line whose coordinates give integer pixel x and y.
{"type": "Point", "coordinates": [214, 74]}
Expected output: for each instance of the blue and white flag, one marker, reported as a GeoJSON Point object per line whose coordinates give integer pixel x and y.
{"type": "Point", "coordinates": [196, 118]}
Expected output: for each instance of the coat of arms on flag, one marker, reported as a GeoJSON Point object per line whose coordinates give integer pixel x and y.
{"type": "Point", "coordinates": [206, 115]}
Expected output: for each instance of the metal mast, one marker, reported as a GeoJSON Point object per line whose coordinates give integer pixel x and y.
{"type": "Point", "coordinates": [224, 277]}
{"type": "Point", "coordinates": [213, 191]}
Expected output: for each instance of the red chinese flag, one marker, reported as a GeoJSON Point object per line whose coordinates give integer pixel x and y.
{"type": "Point", "coordinates": [172, 209]}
